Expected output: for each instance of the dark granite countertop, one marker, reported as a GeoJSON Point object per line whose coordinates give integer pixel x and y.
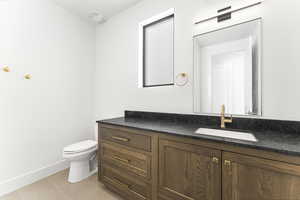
{"type": "Point", "coordinates": [269, 138]}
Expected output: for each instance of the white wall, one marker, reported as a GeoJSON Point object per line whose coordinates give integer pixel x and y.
{"type": "Point", "coordinates": [39, 117]}
{"type": "Point", "coordinates": [281, 69]}
{"type": "Point", "coordinates": [116, 77]}
{"type": "Point", "coordinates": [117, 60]}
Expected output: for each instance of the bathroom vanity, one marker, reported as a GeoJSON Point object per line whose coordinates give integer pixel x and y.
{"type": "Point", "coordinates": [160, 156]}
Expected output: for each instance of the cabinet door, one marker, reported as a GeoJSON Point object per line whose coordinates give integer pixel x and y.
{"type": "Point", "coordinates": [251, 178]}
{"type": "Point", "coordinates": [188, 172]}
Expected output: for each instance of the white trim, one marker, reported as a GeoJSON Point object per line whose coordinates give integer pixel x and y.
{"type": "Point", "coordinates": [31, 177]}
{"type": "Point", "coordinates": [142, 24]}
{"type": "Point", "coordinates": [260, 71]}
{"type": "Point", "coordinates": [158, 17]}
{"type": "Point", "coordinates": [196, 72]}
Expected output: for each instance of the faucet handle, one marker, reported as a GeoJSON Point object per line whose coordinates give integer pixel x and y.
{"type": "Point", "coordinates": [229, 119]}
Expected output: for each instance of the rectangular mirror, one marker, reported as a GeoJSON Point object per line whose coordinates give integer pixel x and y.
{"type": "Point", "coordinates": [227, 70]}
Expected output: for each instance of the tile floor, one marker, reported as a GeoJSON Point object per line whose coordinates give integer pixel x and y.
{"type": "Point", "coordinates": [56, 187]}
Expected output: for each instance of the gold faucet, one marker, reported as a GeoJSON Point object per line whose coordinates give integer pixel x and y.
{"type": "Point", "coordinates": [224, 120]}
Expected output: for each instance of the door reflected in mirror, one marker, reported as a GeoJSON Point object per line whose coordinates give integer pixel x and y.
{"type": "Point", "coordinates": [227, 70]}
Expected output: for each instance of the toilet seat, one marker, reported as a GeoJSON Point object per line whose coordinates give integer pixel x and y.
{"type": "Point", "coordinates": [80, 147]}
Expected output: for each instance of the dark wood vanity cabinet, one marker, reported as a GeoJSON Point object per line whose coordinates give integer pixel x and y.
{"type": "Point", "coordinates": [142, 165]}
{"type": "Point", "coordinates": [252, 178]}
{"type": "Point", "coordinates": [127, 162]}
{"type": "Point", "coordinates": [188, 172]}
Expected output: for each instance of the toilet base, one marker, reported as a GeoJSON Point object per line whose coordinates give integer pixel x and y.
{"type": "Point", "coordinates": [80, 170]}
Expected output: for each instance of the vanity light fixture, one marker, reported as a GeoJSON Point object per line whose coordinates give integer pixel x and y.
{"type": "Point", "coordinates": [225, 13]}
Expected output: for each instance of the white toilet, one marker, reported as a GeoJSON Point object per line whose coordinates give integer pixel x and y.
{"type": "Point", "coordinates": [83, 158]}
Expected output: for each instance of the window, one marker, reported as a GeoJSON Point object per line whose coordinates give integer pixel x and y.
{"type": "Point", "coordinates": [157, 51]}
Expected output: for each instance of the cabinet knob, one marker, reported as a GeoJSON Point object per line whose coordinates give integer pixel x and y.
{"type": "Point", "coordinates": [227, 162]}
{"type": "Point", "coordinates": [215, 160]}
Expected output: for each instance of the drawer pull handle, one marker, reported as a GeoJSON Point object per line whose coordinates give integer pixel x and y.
{"type": "Point", "coordinates": [121, 184]}
{"type": "Point", "coordinates": [137, 194]}
{"type": "Point", "coordinates": [215, 160]}
{"type": "Point", "coordinates": [127, 187]}
{"type": "Point", "coordinates": [121, 159]}
{"type": "Point", "coordinates": [120, 139]}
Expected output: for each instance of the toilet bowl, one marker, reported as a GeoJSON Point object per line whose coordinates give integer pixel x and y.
{"type": "Point", "coordinates": [82, 157]}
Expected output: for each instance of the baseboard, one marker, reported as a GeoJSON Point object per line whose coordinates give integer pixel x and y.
{"type": "Point", "coordinates": [31, 177]}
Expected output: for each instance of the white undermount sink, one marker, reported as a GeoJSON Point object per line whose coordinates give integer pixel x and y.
{"type": "Point", "coordinates": [227, 134]}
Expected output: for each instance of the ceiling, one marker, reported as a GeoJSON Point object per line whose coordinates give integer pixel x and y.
{"type": "Point", "coordinates": [97, 10]}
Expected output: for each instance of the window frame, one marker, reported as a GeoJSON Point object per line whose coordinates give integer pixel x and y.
{"type": "Point", "coordinates": [146, 23]}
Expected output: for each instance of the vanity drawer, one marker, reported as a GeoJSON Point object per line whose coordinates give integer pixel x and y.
{"type": "Point", "coordinates": [124, 185]}
{"type": "Point", "coordinates": [129, 139]}
{"type": "Point", "coordinates": [134, 162]}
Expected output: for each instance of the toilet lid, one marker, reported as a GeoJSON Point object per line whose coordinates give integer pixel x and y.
{"type": "Point", "coordinates": [81, 146]}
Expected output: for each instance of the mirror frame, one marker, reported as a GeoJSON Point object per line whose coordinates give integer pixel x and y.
{"type": "Point", "coordinates": [196, 96]}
